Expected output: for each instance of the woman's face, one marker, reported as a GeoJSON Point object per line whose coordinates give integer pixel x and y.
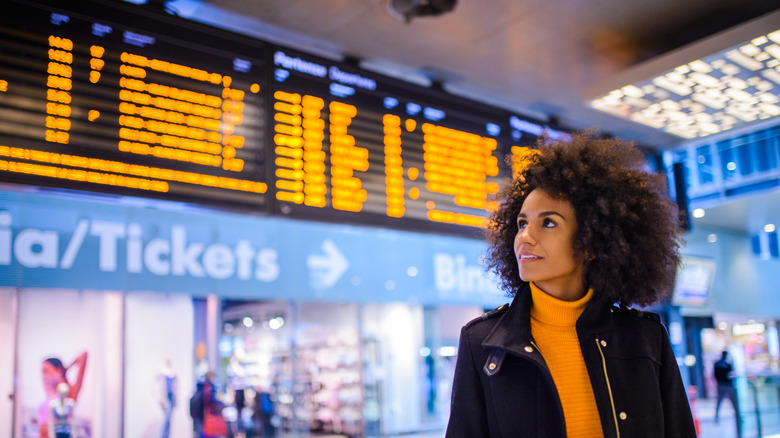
{"type": "Point", "coordinates": [52, 376]}
{"type": "Point", "coordinates": [544, 246]}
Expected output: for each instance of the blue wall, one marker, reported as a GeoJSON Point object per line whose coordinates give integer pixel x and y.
{"type": "Point", "coordinates": [743, 283]}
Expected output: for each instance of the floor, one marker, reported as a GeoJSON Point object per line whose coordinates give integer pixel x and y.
{"type": "Point", "coordinates": [704, 413]}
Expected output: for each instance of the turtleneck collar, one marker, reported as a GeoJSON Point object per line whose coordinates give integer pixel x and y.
{"type": "Point", "coordinates": [550, 310]}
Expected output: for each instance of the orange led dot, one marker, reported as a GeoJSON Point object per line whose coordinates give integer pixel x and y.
{"type": "Point", "coordinates": [226, 81]}
{"type": "Point", "coordinates": [254, 88]}
{"type": "Point", "coordinates": [410, 125]}
{"type": "Point", "coordinates": [430, 205]}
{"type": "Point", "coordinates": [293, 98]}
{"type": "Point", "coordinates": [413, 173]}
{"type": "Point", "coordinates": [3, 85]}
{"type": "Point", "coordinates": [93, 115]}
{"type": "Point", "coordinates": [414, 193]}
{"type": "Point", "coordinates": [97, 51]}
{"type": "Point", "coordinates": [96, 64]}
{"type": "Point", "coordinates": [287, 108]}
{"type": "Point", "coordinates": [94, 77]}
{"type": "Point", "coordinates": [390, 119]}
{"type": "Point", "coordinates": [228, 152]}
{"type": "Point", "coordinates": [313, 102]}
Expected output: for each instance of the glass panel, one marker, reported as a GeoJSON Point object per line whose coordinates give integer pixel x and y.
{"type": "Point", "coordinates": [257, 366]}
{"type": "Point", "coordinates": [72, 337]}
{"type": "Point", "coordinates": [328, 371]}
{"type": "Point", "coordinates": [745, 159]}
{"type": "Point", "coordinates": [727, 160]}
{"type": "Point", "coordinates": [7, 351]}
{"type": "Point", "coordinates": [705, 166]}
{"type": "Point", "coordinates": [158, 364]}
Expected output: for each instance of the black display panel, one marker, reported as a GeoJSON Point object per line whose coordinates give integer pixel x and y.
{"type": "Point", "coordinates": [114, 98]}
{"type": "Point", "coordinates": [349, 143]}
{"type": "Point", "coordinates": [125, 99]}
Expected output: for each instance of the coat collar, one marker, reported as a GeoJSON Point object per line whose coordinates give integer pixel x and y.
{"type": "Point", "coordinates": [512, 332]}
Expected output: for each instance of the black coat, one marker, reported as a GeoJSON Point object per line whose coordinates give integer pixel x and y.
{"type": "Point", "coordinates": [503, 388]}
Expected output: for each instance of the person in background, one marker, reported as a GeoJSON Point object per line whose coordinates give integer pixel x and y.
{"type": "Point", "coordinates": [203, 388]}
{"type": "Point", "coordinates": [204, 399]}
{"type": "Point", "coordinates": [53, 373]}
{"type": "Point", "coordinates": [579, 234]}
{"type": "Point", "coordinates": [723, 372]}
{"type": "Point", "coordinates": [237, 383]}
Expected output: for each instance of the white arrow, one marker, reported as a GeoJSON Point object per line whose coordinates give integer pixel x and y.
{"type": "Point", "coordinates": [326, 269]}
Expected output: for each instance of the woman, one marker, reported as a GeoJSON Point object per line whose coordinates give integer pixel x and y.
{"type": "Point", "coordinates": [53, 372]}
{"type": "Point", "coordinates": [580, 234]}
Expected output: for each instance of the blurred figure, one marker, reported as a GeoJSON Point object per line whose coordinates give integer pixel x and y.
{"type": "Point", "coordinates": [167, 388]}
{"type": "Point", "coordinates": [204, 404]}
{"type": "Point", "coordinates": [264, 414]}
{"type": "Point", "coordinates": [60, 413]}
{"type": "Point", "coordinates": [196, 406]}
{"type": "Point", "coordinates": [723, 372]}
{"type": "Point", "coordinates": [53, 373]}
{"type": "Point", "coordinates": [237, 384]}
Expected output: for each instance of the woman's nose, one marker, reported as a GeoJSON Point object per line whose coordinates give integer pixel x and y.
{"type": "Point", "coordinates": [524, 235]}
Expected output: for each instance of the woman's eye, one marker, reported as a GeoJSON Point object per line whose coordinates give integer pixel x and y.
{"type": "Point", "coordinates": [521, 224]}
{"type": "Point", "coordinates": [548, 223]}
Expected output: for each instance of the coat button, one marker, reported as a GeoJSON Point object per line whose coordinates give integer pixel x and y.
{"type": "Point", "coordinates": [623, 415]}
{"type": "Point", "coordinates": [603, 343]}
{"type": "Point", "coordinates": [492, 366]}
{"type": "Point", "coordinates": [528, 349]}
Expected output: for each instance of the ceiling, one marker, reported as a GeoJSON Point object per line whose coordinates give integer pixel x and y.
{"type": "Point", "coordinates": [535, 57]}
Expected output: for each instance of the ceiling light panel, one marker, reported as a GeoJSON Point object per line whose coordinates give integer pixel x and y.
{"type": "Point", "coordinates": [736, 82]}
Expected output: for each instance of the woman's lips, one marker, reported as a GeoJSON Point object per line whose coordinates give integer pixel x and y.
{"type": "Point", "coordinates": [524, 258]}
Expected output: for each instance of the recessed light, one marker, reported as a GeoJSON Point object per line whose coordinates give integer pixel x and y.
{"type": "Point", "coordinates": [698, 213]}
{"type": "Point", "coordinates": [701, 89]}
{"type": "Point", "coordinates": [769, 228]}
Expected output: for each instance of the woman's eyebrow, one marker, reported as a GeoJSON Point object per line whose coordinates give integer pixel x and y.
{"type": "Point", "coordinates": [543, 214]}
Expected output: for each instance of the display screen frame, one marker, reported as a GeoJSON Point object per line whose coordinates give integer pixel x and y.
{"type": "Point", "coordinates": [435, 106]}
{"type": "Point", "coordinates": [695, 280]}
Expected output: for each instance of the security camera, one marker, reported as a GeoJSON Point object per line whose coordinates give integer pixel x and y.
{"type": "Point", "coordinates": [409, 9]}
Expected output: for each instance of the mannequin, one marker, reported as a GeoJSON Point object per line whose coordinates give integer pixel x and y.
{"type": "Point", "coordinates": [167, 385]}
{"type": "Point", "coordinates": [60, 412]}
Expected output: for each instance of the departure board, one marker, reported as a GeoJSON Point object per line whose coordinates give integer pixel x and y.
{"type": "Point", "coordinates": [351, 143]}
{"type": "Point", "coordinates": [112, 98]}
{"type": "Point", "coordinates": [108, 96]}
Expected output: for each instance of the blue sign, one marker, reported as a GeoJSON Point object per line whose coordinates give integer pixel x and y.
{"type": "Point", "coordinates": [64, 242]}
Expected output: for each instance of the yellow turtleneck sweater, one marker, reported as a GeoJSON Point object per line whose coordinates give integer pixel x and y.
{"type": "Point", "coordinates": [553, 328]}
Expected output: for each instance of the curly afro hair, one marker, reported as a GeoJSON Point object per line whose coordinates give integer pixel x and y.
{"type": "Point", "coordinates": [628, 234]}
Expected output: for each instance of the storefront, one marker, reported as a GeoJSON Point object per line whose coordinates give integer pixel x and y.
{"type": "Point", "coordinates": [752, 344]}
{"type": "Point", "coordinates": [340, 329]}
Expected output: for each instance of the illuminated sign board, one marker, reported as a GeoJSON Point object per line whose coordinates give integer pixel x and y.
{"type": "Point", "coordinates": [127, 104]}
{"type": "Point", "coordinates": [348, 143]}
{"type": "Point", "coordinates": [121, 99]}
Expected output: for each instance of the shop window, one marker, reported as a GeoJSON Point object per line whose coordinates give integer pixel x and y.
{"type": "Point", "coordinates": [58, 328]}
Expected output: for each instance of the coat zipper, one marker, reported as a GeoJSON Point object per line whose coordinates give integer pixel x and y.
{"type": "Point", "coordinates": [609, 387]}
{"type": "Point", "coordinates": [549, 375]}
